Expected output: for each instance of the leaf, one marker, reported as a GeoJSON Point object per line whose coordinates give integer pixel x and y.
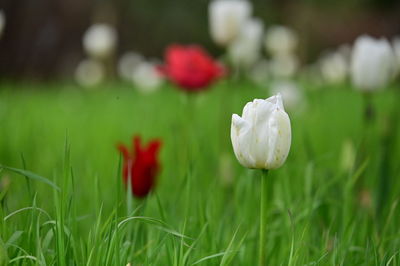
{"type": "Point", "coordinates": [31, 176]}
{"type": "Point", "coordinates": [15, 236]}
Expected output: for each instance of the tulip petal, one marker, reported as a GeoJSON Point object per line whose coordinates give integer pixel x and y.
{"type": "Point", "coordinates": [124, 151]}
{"type": "Point", "coordinates": [280, 139]}
{"type": "Point", "coordinates": [241, 139]}
{"type": "Point", "coordinates": [137, 147]}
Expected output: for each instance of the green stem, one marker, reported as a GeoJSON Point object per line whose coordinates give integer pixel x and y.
{"type": "Point", "coordinates": [369, 110]}
{"type": "Point", "coordinates": [263, 217]}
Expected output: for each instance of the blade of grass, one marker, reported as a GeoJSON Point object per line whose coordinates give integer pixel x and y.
{"type": "Point", "coordinates": [31, 176]}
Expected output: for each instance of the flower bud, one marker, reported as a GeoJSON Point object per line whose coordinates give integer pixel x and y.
{"type": "Point", "coordinates": [146, 77]}
{"type": "Point", "coordinates": [190, 67]}
{"type": "Point", "coordinates": [127, 64]}
{"type": "Point", "coordinates": [334, 68]}
{"type": "Point", "coordinates": [100, 40]}
{"type": "Point", "coordinates": [280, 40]}
{"type": "Point", "coordinates": [284, 66]}
{"type": "Point", "coordinates": [226, 18]}
{"type": "Point", "coordinates": [141, 166]}
{"type": "Point", "coordinates": [246, 49]}
{"type": "Point", "coordinates": [261, 137]}
{"type": "Point", "coordinates": [372, 63]}
{"type": "Point", "coordinates": [89, 73]}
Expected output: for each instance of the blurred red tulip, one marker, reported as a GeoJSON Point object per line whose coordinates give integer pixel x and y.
{"type": "Point", "coordinates": [190, 67]}
{"type": "Point", "coordinates": [141, 166]}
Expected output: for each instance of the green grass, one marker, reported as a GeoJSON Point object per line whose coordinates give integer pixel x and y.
{"type": "Point", "coordinates": [205, 209]}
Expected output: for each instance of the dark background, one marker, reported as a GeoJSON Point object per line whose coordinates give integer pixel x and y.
{"type": "Point", "coordinates": [42, 38]}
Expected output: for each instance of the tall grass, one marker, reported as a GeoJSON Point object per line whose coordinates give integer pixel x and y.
{"type": "Point", "coordinates": [63, 202]}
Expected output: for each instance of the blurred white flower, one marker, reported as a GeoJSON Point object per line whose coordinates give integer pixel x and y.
{"type": "Point", "coordinates": [280, 40]}
{"type": "Point", "coordinates": [89, 73]}
{"type": "Point", "coordinates": [284, 66]}
{"type": "Point", "coordinates": [291, 93]}
{"type": "Point", "coordinates": [261, 137]}
{"type": "Point", "coordinates": [146, 77]}
{"type": "Point", "coordinates": [259, 73]}
{"type": "Point", "coordinates": [127, 64]}
{"type": "Point", "coordinates": [334, 67]}
{"type": "Point", "coordinates": [100, 40]}
{"type": "Point", "coordinates": [226, 17]}
{"type": "Point", "coordinates": [372, 63]}
{"type": "Point", "coordinates": [245, 50]}
{"type": "Point", "coordinates": [2, 22]}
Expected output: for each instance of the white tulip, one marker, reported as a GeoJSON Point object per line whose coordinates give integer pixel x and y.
{"type": "Point", "coordinates": [261, 137]}
{"type": "Point", "coordinates": [89, 73]}
{"type": "Point", "coordinates": [2, 22]}
{"type": "Point", "coordinates": [246, 49]}
{"type": "Point", "coordinates": [280, 40]}
{"type": "Point", "coordinates": [372, 63]}
{"type": "Point", "coordinates": [334, 67]}
{"type": "Point", "coordinates": [127, 64]}
{"type": "Point", "coordinates": [146, 77]}
{"type": "Point", "coordinates": [226, 18]}
{"type": "Point", "coordinates": [291, 93]}
{"type": "Point", "coordinates": [100, 40]}
{"type": "Point", "coordinates": [284, 66]}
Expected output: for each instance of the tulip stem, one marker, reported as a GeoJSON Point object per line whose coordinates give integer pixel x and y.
{"type": "Point", "coordinates": [263, 216]}
{"type": "Point", "coordinates": [369, 112]}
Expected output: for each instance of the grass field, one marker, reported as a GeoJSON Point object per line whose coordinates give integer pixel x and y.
{"type": "Point", "coordinates": [334, 202]}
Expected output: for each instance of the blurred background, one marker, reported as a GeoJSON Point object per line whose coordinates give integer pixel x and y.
{"type": "Point", "coordinates": [42, 39]}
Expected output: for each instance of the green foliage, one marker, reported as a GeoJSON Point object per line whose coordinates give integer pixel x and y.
{"type": "Point", "coordinates": [72, 208]}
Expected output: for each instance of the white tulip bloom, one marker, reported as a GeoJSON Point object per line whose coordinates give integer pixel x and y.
{"type": "Point", "coordinates": [100, 40]}
{"type": "Point", "coordinates": [246, 49]}
{"type": "Point", "coordinates": [284, 66]}
{"type": "Point", "coordinates": [291, 93]}
{"type": "Point", "coordinates": [127, 64]}
{"type": "Point", "coordinates": [89, 73]}
{"type": "Point", "coordinates": [226, 17]}
{"type": "Point", "coordinates": [146, 77]}
{"type": "Point", "coordinates": [261, 137]}
{"type": "Point", "coordinates": [334, 67]}
{"type": "Point", "coordinates": [372, 63]}
{"type": "Point", "coordinates": [2, 22]}
{"type": "Point", "coordinates": [280, 40]}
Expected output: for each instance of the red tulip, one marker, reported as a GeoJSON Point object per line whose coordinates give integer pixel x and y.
{"type": "Point", "coordinates": [190, 67]}
{"type": "Point", "coordinates": [141, 166]}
